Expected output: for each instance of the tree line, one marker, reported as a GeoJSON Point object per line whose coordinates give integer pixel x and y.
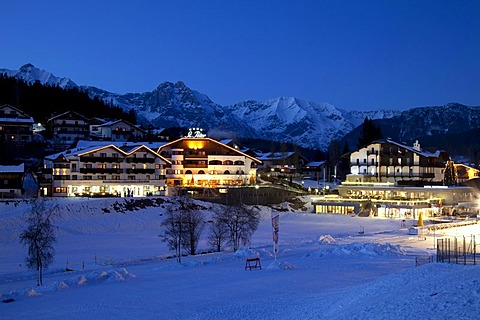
{"type": "Point", "coordinates": [43, 101]}
{"type": "Point", "coordinates": [185, 223]}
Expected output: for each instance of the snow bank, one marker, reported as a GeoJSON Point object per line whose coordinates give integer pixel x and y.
{"type": "Point", "coordinates": [92, 278]}
{"type": "Point", "coordinates": [326, 239]}
{"type": "Point", "coordinates": [360, 249]}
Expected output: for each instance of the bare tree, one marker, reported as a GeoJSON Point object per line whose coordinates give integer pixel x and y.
{"type": "Point", "coordinates": [39, 237]}
{"type": "Point", "coordinates": [183, 226]}
{"type": "Point", "coordinates": [193, 224]}
{"type": "Point", "coordinates": [218, 232]}
{"type": "Point", "coordinates": [240, 222]}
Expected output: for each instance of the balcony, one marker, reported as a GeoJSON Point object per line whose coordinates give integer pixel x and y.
{"type": "Point", "coordinates": [101, 159]}
{"type": "Point", "coordinates": [137, 171]}
{"type": "Point", "coordinates": [424, 175]}
{"type": "Point", "coordinates": [128, 181]}
{"type": "Point", "coordinates": [140, 160]}
{"type": "Point", "coordinates": [195, 165]}
{"type": "Point", "coordinates": [61, 166]}
{"type": "Point", "coordinates": [101, 170]}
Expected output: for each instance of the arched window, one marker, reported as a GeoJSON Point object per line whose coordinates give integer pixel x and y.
{"type": "Point", "coordinates": [215, 162]}
{"type": "Point", "coordinates": [228, 163]}
{"type": "Point", "coordinates": [239, 163]}
{"type": "Point", "coordinates": [240, 172]}
{"type": "Point", "coordinates": [201, 172]}
{"type": "Point", "coordinates": [226, 172]}
{"type": "Point", "coordinates": [188, 172]}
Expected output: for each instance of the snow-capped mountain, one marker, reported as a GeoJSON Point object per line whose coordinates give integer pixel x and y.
{"type": "Point", "coordinates": [287, 119]}
{"type": "Point", "coordinates": [29, 73]}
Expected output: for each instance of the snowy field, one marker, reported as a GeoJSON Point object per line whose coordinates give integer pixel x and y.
{"type": "Point", "coordinates": [326, 269]}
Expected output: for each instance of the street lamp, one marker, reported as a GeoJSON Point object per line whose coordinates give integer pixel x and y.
{"type": "Point", "coordinates": [256, 191]}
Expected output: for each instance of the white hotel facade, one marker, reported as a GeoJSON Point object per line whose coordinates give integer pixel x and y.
{"type": "Point", "coordinates": [105, 170]}
{"type": "Point", "coordinates": [125, 169]}
{"type": "Point", "coordinates": [391, 179]}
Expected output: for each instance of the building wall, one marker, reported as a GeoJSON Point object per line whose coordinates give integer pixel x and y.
{"type": "Point", "coordinates": [108, 171]}
{"type": "Point", "coordinates": [206, 163]}
{"type": "Point", "coordinates": [386, 162]}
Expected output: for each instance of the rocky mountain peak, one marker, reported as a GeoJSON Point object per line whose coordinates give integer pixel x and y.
{"type": "Point", "coordinates": [26, 67]}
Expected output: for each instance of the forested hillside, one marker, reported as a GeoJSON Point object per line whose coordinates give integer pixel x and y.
{"type": "Point", "coordinates": [41, 102]}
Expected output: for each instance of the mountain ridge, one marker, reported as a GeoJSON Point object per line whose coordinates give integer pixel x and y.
{"type": "Point", "coordinates": [284, 119]}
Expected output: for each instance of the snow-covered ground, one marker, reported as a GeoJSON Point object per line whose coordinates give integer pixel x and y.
{"type": "Point", "coordinates": [326, 269]}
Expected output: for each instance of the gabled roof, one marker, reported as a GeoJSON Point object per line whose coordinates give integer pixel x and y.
{"type": "Point", "coordinates": [96, 120]}
{"type": "Point", "coordinates": [90, 143]}
{"type": "Point", "coordinates": [315, 163]}
{"type": "Point", "coordinates": [83, 151]}
{"type": "Point", "coordinates": [114, 122]}
{"type": "Point", "coordinates": [21, 118]}
{"type": "Point", "coordinates": [211, 140]}
{"type": "Point", "coordinates": [275, 155]}
{"type": "Point", "coordinates": [421, 152]}
{"type": "Point", "coordinates": [12, 169]}
{"type": "Point", "coordinates": [75, 114]}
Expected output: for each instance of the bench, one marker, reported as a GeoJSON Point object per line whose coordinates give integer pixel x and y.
{"type": "Point", "coordinates": [253, 263]}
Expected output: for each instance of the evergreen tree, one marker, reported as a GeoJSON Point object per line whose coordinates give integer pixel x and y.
{"type": "Point", "coordinates": [368, 133]}
{"type": "Point", "coordinates": [450, 176]}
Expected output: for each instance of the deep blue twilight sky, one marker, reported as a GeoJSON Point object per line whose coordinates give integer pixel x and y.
{"type": "Point", "coordinates": [354, 54]}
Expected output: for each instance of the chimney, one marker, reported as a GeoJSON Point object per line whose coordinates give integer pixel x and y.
{"type": "Point", "coordinates": [416, 146]}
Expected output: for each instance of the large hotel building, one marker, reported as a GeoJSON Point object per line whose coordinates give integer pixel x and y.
{"type": "Point", "coordinates": [133, 169]}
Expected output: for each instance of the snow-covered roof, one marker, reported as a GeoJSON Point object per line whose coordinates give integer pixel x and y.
{"type": "Point", "coordinates": [67, 112]}
{"type": "Point", "coordinates": [20, 117]}
{"type": "Point", "coordinates": [17, 120]}
{"type": "Point", "coordinates": [315, 163]}
{"type": "Point", "coordinates": [226, 141]}
{"type": "Point", "coordinates": [418, 151]}
{"type": "Point", "coordinates": [87, 144]}
{"type": "Point", "coordinates": [113, 122]}
{"type": "Point", "coordinates": [275, 155]}
{"type": "Point", "coordinates": [126, 148]}
{"type": "Point", "coordinates": [12, 169]}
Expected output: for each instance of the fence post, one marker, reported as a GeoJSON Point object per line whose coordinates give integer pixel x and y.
{"type": "Point", "coordinates": [474, 244]}
{"type": "Point", "coordinates": [464, 252]}
{"type": "Point", "coordinates": [438, 250]}
{"type": "Point", "coordinates": [448, 250]}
